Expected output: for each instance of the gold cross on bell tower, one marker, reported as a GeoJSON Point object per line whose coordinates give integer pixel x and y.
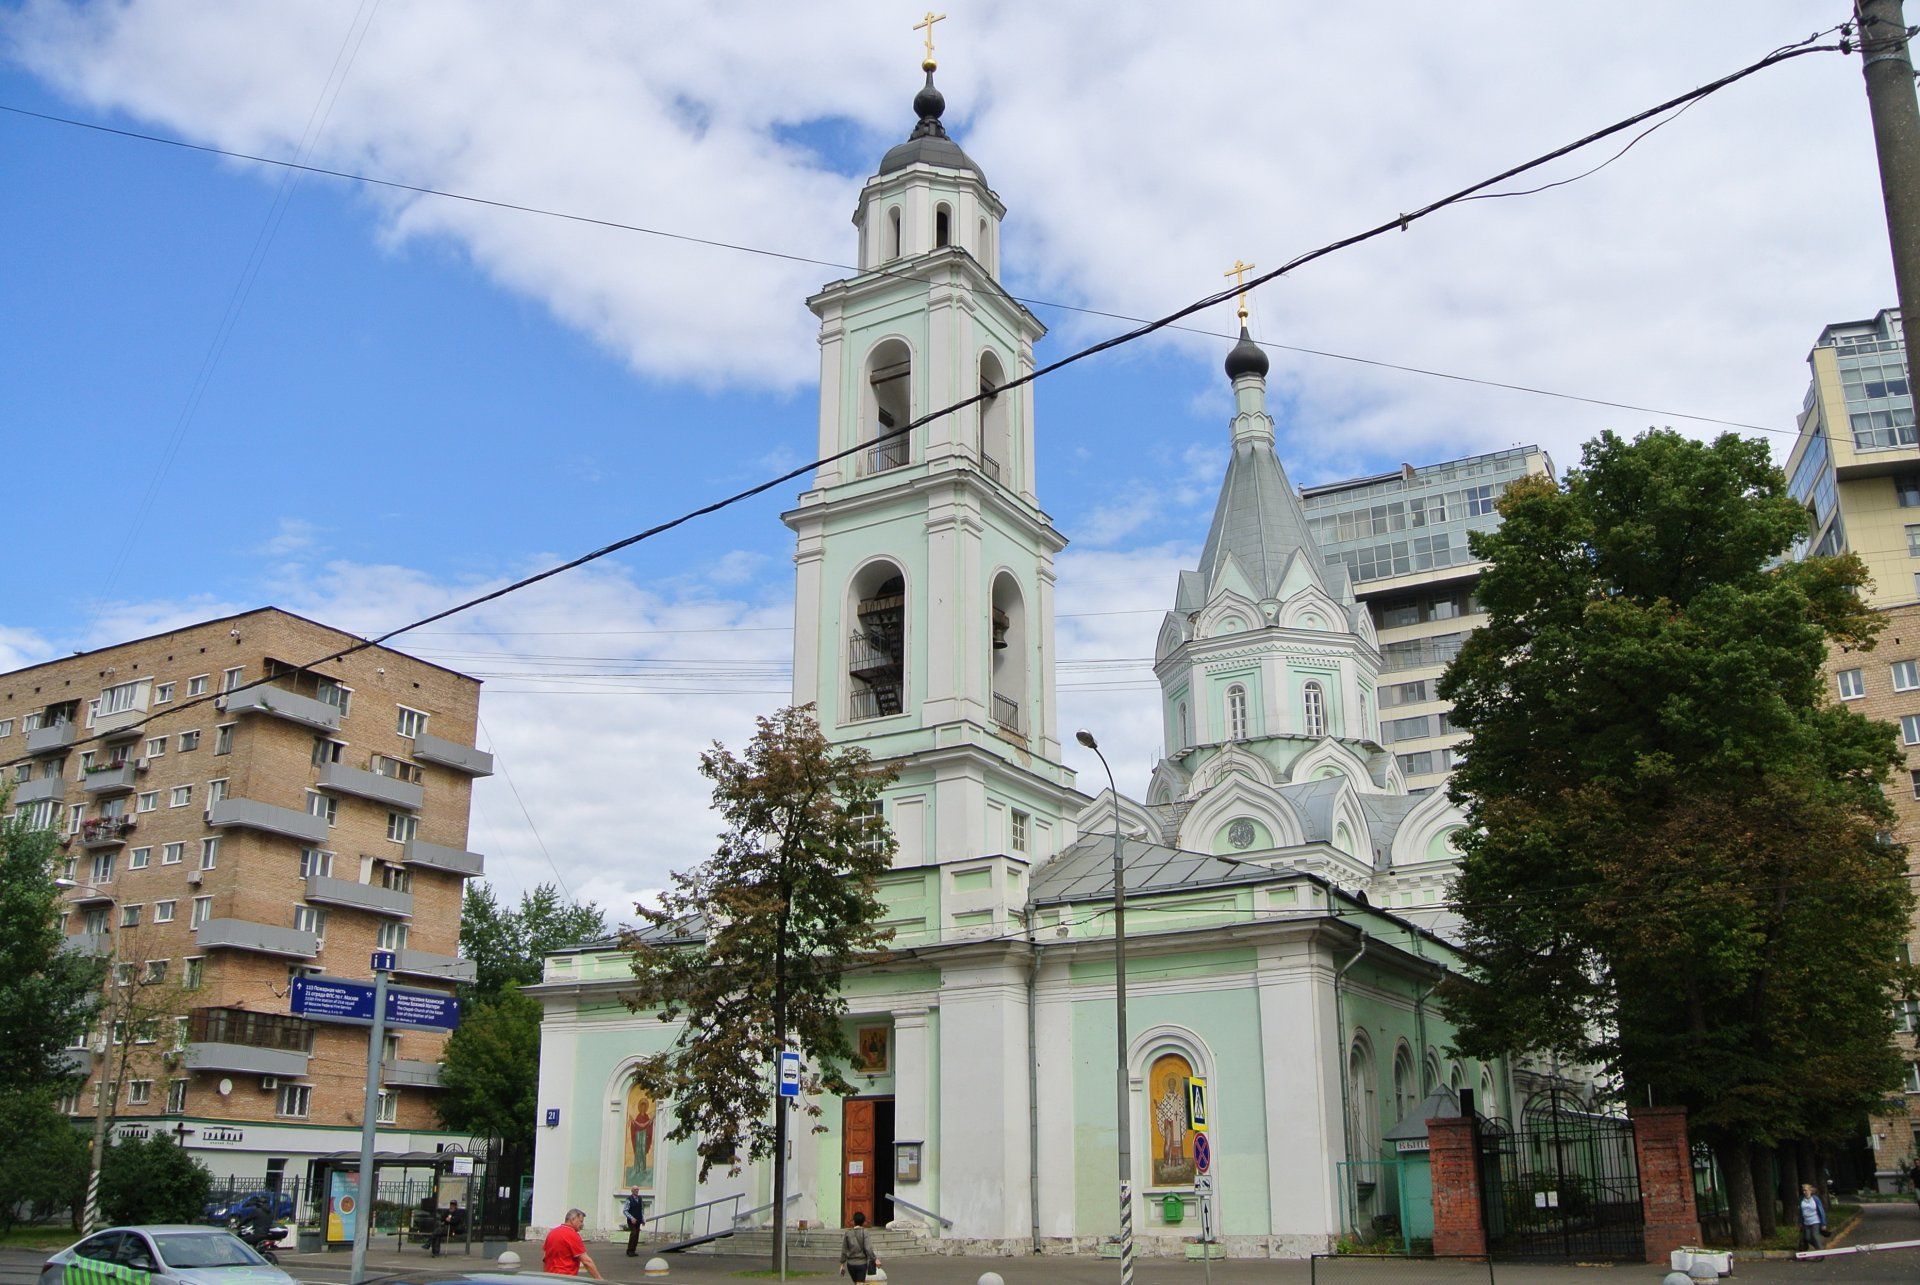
{"type": "Point", "coordinates": [1239, 273]}
{"type": "Point", "coordinates": [926, 24]}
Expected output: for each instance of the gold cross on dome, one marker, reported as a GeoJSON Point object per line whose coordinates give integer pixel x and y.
{"type": "Point", "coordinates": [1239, 273]}
{"type": "Point", "coordinates": [926, 24]}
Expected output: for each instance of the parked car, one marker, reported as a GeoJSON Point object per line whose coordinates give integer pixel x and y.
{"type": "Point", "coordinates": [182, 1255]}
{"type": "Point", "coordinates": [217, 1211]}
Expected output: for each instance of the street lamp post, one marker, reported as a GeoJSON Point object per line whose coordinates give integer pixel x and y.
{"type": "Point", "coordinates": [106, 1091]}
{"type": "Point", "coordinates": [1121, 1095]}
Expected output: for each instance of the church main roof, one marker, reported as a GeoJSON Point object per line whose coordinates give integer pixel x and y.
{"type": "Point", "coordinates": [1259, 523]}
{"type": "Point", "coordinates": [929, 144]}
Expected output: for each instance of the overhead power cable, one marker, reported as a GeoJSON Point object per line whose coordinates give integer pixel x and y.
{"type": "Point", "coordinates": [1399, 223]}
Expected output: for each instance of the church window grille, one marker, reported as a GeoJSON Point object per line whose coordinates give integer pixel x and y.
{"type": "Point", "coordinates": [1313, 703]}
{"type": "Point", "coordinates": [1236, 713]}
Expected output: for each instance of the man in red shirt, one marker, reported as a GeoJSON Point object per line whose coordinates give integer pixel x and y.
{"type": "Point", "coordinates": [564, 1253]}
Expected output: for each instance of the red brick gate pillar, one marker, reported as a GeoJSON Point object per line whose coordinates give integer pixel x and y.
{"type": "Point", "coordinates": [1665, 1161]}
{"type": "Point", "coordinates": [1455, 1158]}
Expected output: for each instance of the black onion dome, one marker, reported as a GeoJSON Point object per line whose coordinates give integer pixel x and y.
{"type": "Point", "coordinates": [1247, 358]}
{"type": "Point", "coordinates": [929, 143]}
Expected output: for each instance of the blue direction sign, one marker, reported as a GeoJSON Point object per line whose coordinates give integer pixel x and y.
{"type": "Point", "coordinates": [328, 999]}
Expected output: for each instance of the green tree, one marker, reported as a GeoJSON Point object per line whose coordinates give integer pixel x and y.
{"type": "Point", "coordinates": [43, 1158]}
{"type": "Point", "coordinates": [1675, 866]}
{"type": "Point", "coordinates": [508, 944]}
{"type": "Point", "coordinates": [152, 1180]}
{"type": "Point", "coordinates": [47, 994]}
{"type": "Point", "coordinates": [748, 949]}
{"type": "Point", "coordinates": [491, 1077]}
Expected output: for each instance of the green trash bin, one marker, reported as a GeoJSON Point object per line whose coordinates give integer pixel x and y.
{"type": "Point", "coordinates": [1172, 1209]}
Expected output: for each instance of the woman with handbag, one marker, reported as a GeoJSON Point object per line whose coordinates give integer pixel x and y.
{"type": "Point", "coordinates": [856, 1251]}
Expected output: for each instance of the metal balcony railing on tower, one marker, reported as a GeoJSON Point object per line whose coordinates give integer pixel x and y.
{"type": "Point", "coordinates": [874, 700]}
{"type": "Point", "coordinates": [883, 457]}
{"type": "Point", "coordinates": [990, 466]}
{"type": "Point", "coordinates": [1006, 713]}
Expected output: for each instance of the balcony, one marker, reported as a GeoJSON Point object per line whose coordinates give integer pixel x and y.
{"type": "Point", "coordinates": [39, 789]}
{"type": "Point", "coordinates": [452, 754]}
{"type": "Point", "coordinates": [126, 725]}
{"type": "Point", "coordinates": [441, 968]}
{"type": "Point", "coordinates": [77, 1062]}
{"type": "Point", "coordinates": [1006, 714]}
{"type": "Point", "coordinates": [111, 780]}
{"type": "Point", "coordinates": [408, 1073]}
{"type": "Point", "coordinates": [106, 832]}
{"type": "Point", "coordinates": [882, 457]}
{"type": "Point", "coordinates": [238, 1039]}
{"type": "Point", "coordinates": [453, 860]}
{"type": "Point", "coordinates": [359, 896]}
{"type": "Point", "coordinates": [280, 703]}
{"type": "Point", "coordinates": [245, 1059]}
{"type": "Point", "coordinates": [265, 816]}
{"type": "Point", "coordinates": [97, 945]}
{"type": "Point", "coordinates": [88, 893]}
{"type": "Point", "coordinates": [263, 939]}
{"type": "Point", "coordinates": [385, 790]}
{"type": "Point", "coordinates": [52, 740]}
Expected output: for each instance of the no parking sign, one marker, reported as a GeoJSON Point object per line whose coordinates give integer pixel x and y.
{"type": "Point", "coordinates": [1202, 1154]}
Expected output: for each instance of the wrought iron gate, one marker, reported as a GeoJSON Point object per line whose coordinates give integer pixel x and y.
{"type": "Point", "coordinates": [1564, 1186]}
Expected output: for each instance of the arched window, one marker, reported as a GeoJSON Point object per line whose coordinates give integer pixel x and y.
{"type": "Point", "coordinates": [889, 404]}
{"type": "Point", "coordinates": [1170, 1141]}
{"type": "Point", "coordinates": [1314, 702]}
{"type": "Point", "coordinates": [1008, 634]}
{"type": "Point", "coordinates": [1489, 1103]}
{"type": "Point", "coordinates": [1236, 713]}
{"type": "Point", "coordinates": [1404, 1096]}
{"type": "Point", "coordinates": [996, 436]}
{"type": "Point", "coordinates": [1454, 1078]}
{"type": "Point", "coordinates": [1363, 1108]}
{"type": "Point", "coordinates": [893, 233]}
{"type": "Point", "coordinates": [877, 642]}
{"type": "Point", "coordinates": [986, 251]}
{"type": "Point", "coordinates": [942, 228]}
{"type": "Point", "coordinates": [1182, 726]}
{"type": "Point", "coordinates": [1430, 1074]}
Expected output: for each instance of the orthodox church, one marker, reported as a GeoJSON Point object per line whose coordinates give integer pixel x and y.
{"type": "Point", "coordinates": [1284, 927]}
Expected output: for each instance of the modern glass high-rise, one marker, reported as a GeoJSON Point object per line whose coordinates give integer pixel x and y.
{"type": "Point", "coordinates": [1403, 536]}
{"type": "Point", "coordinates": [1856, 461]}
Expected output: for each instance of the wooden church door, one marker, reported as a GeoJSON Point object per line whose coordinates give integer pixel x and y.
{"type": "Point", "coordinates": [856, 1161]}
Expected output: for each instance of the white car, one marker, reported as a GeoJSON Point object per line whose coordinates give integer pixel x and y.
{"type": "Point", "coordinates": [182, 1255]}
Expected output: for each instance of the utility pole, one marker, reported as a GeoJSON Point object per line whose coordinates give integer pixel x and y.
{"type": "Point", "coordinates": [370, 1116]}
{"type": "Point", "coordinates": [1896, 138]}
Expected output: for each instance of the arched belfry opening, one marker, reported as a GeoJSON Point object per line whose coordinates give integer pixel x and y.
{"type": "Point", "coordinates": [996, 422]}
{"type": "Point", "coordinates": [877, 645]}
{"type": "Point", "coordinates": [893, 232]}
{"type": "Point", "coordinates": [1007, 626]}
{"type": "Point", "coordinates": [889, 405]}
{"type": "Point", "coordinates": [942, 228]}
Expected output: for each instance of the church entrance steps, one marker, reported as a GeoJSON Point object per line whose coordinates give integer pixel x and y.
{"type": "Point", "coordinates": [823, 1242]}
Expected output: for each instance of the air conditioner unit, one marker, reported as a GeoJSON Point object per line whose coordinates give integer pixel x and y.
{"type": "Point", "coordinates": [195, 876]}
{"type": "Point", "coordinates": [269, 1082]}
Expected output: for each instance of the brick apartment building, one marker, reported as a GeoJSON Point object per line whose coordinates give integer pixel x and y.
{"type": "Point", "coordinates": [220, 840]}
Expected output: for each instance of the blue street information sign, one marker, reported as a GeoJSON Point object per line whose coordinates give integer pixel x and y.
{"type": "Point", "coordinates": [327, 999]}
{"type": "Point", "coordinates": [382, 961]}
{"type": "Point", "coordinates": [789, 1075]}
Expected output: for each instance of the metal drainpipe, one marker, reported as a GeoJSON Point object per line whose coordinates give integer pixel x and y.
{"type": "Point", "coordinates": [1340, 1020]}
{"type": "Point", "coordinates": [1033, 1083]}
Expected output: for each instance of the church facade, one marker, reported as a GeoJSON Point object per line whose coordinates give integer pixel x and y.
{"type": "Point", "coordinates": [1285, 926]}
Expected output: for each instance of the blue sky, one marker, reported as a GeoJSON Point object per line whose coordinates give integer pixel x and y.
{"type": "Point", "coordinates": [417, 398]}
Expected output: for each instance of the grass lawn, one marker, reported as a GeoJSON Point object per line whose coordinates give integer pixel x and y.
{"type": "Point", "coordinates": [38, 1237]}
{"type": "Point", "coordinates": [1787, 1236]}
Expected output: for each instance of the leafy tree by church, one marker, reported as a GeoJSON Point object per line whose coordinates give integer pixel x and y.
{"type": "Point", "coordinates": [1677, 866]}
{"type": "Point", "coordinates": [748, 949]}
{"type": "Point", "coordinates": [508, 943]}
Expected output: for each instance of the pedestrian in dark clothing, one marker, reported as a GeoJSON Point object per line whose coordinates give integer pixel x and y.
{"type": "Point", "coordinates": [635, 1210]}
{"type": "Point", "coordinates": [856, 1251]}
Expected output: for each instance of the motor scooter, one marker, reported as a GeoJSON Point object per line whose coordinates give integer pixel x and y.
{"type": "Point", "coordinates": [264, 1243]}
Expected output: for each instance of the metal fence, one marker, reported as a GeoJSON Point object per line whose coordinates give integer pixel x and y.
{"type": "Point", "coordinates": [290, 1199]}
{"type": "Point", "coordinates": [1564, 1186]}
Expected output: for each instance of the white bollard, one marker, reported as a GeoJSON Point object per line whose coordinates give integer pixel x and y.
{"type": "Point", "coordinates": [508, 1262]}
{"type": "Point", "coordinates": [989, 1278]}
{"type": "Point", "coordinates": [1676, 1278]}
{"type": "Point", "coordinates": [656, 1266]}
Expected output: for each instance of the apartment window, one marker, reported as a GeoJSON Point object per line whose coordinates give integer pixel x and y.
{"type": "Point", "coordinates": [1906, 675]}
{"type": "Point", "coordinates": [139, 1092]}
{"type": "Point", "coordinates": [163, 911]}
{"type": "Point", "coordinates": [230, 678]}
{"type": "Point", "coordinates": [117, 1033]}
{"type": "Point", "coordinates": [120, 698]}
{"type": "Point", "coordinates": [1913, 1077]}
{"type": "Point", "coordinates": [192, 973]}
{"type": "Point", "coordinates": [293, 1101]}
{"type": "Point", "coordinates": [130, 916]}
{"type": "Point", "coordinates": [400, 879]}
{"type": "Point", "coordinates": [223, 739]}
{"type": "Point", "coordinates": [31, 722]}
{"type": "Point", "coordinates": [1853, 684]}
{"type": "Point", "coordinates": [321, 805]}
{"type": "Point", "coordinates": [326, 751]}
{"type": "Point", "coordinates": [122, 976]}
{"type": "Point", "coordinates": [389, 1106]}
{"type": "Point", "coordinates": [397, 769]}
{"type": "Point", "coordinates": [315, 862]}
{"type": "Point", "coordinates": [176, 1097]}
{"type": "Point", "coordinates": [311, 919]}
{"type": "Point", "coordinates": [392, 936]}
{"type": "Point", "coordinates": [148, 801]}
{"type": "Point", "coordinates": [6, 727]}
{"type": "Point", "coordinates": [401, 827]}
{"type": "Point", "coordinates": [156, 972]}
{"type": "Point", "coordinates": [332, 693]}
{"type": "Point", "coordinates": [202, 911]}
{"type": "Point", "coordinates": [23, 772]}
{"type": "Point", "coordinates": [156, 747]}
{"type": "Point", "coordinates": [76, 817]}
{"type": "Point", "coordinates": [138, 858]}
{"type": "Point", "coordinates": [197, 685]}
{"type": "Point", "coordinates": [189, 741]}
{"type": "Point", "coordinates": [412, 722]}
{"type": "Point", "coordinates": [1481, 499]}
{"type": "Point", "coordinates": [1906, 489]}
{"type": "Point", "coordinates": [1910, 729]}
{"type": "Point", "coordinates": [171, 854]}
{"type": "Point", "coordinates": [1236, 713]}
{"type": "Point", "coordinates": [209, 852]}
{"type": "Point", "coordinates": [70, 1103]}
{"type": "Point", "coordinates": [1020, 823]}
{"type": "Point", "coordinates": [103, 867]}
{"type": "Point", "coordinates": [1908, 1015]}
{"type": "Point", "coordinates": [180, 796]}
{"type": "Point", "coordinates": [163, 694]}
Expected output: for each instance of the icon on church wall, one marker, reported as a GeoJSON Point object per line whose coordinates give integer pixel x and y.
{"type": "Point", "coordinates": [870, 1051]}
{"type": "Point", "coordinates": [639, 1141]}
{"type": "Point", "coordinates": [1167, 1112]}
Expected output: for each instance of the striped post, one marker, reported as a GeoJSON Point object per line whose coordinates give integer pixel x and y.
{"type": "Point", "coordinates": [1126, 1234]}
{"type": "Point", "coordinates": [90, 1218]}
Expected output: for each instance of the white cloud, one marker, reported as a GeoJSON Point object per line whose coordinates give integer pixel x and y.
{"type": "Point", "coordinates": [1692, 274]}
{"type": "Point", "coordinates": [291, 538]}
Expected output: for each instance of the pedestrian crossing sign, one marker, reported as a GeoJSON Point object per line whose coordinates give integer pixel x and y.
{"type": "Point", "coordinates": [1197, 1103]}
